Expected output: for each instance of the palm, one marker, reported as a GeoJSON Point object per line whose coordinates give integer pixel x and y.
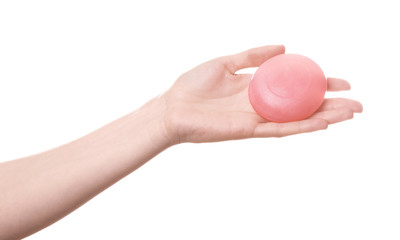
{"type": "Point", "coordinates": [210, 103]}
{"type": "Point", "coordinates": [214, 107]}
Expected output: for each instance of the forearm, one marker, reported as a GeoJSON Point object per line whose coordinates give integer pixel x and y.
{"type": "Point", "coordinates": [39, 190]}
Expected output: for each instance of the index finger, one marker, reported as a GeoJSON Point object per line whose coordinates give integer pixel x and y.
{"type": "Point", "coordinates": [337, 84]}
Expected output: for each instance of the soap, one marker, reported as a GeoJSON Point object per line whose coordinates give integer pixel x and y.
{"type": "Point", "coordinates": [287, 87]}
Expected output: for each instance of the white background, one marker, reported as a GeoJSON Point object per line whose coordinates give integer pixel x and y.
{"type": "Point", "coordinates": [69, 67]}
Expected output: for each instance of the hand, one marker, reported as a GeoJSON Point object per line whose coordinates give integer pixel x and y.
{"type": "Point", "coordinates": [210, 103]}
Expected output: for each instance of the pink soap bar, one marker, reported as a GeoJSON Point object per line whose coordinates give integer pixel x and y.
{"type": "Point", "coordinates": [287, 87]}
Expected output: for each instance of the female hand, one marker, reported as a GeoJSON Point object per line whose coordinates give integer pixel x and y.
{"type": "Point", "coordinates": [210, 103]}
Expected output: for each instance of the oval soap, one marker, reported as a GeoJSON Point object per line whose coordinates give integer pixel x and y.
{"type": "Point", "coordinates": [287, 87]}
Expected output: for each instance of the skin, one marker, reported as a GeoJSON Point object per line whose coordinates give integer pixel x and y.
{"type": "Point", "coordinates": [216, 105]}
{"type": "Point", "coordinates": [206, 104]}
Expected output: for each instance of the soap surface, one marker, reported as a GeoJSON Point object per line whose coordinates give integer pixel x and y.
{"type": "Point", "coordinates": [287, 87]}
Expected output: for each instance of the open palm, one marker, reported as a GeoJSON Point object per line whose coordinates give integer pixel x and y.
{"type": "Point", "coordinates": [210, 103]}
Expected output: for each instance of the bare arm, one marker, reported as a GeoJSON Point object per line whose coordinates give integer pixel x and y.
{"type": "Point", "coordinates": [208, 103]}
{"type": "Point", "coordinates": [38, 190]}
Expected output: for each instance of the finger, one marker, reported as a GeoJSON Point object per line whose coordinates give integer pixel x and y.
{"type": "Point", "coordinates": [337, 84]}
{"type": "Point", "coordinates": [251, 58]}
{"type": "Point", "coordinates": [334, 116]}
{"type": "Point", "coordinates": [339, 103]}
{"type": "Point", "coordinates": [271, 129]}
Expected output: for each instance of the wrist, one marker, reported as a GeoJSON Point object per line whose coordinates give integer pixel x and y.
{"type": "Point", "coordinates": [152, 117]}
